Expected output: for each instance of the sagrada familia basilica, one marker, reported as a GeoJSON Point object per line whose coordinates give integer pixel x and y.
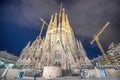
{"type": "Point", "coordinates": [60, 54]}
{"type": "Point", "coordinates": [58, 48]}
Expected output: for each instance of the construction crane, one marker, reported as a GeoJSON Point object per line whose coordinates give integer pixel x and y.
{"type": "Point", "coordinates": [44, 22]}
{"type": "Point", "coordinates": [96, 38]}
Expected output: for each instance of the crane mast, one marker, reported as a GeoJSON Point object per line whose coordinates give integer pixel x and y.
{"type": "Point", "coordinates": [44, 22]}
{"type": "Point", "coordinates": [96, 39]}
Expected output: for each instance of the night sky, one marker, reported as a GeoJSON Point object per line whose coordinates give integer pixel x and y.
{"type": "Point", "coordinates": [20, 22]}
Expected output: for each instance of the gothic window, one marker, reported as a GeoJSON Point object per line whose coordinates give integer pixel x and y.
{"type": "Point", "coordinates": [41, 50]}
{"type": "Point", "coordinates": [69, 66]}
{"type": "Point", "coordinates": [46, 60]}
{"type": "Point", "coordinates": [57, 64]}
{"type": "Point", "coordinates": [39, 59]}
{"type": "Point", "coordinates": [57, 56]}
{"type": "Point", "coordinates": [117, 53]}
{"type": "Point", "coordinates": [60, 56]}
{"type": "Point", "coordinates": [23, 57]}
{"type": "Point", "coordinates": [58, 42]}
{"type": "Point", "coordinates": [27, 57]}
{"type": "Point", "coordinates": [35, 58]}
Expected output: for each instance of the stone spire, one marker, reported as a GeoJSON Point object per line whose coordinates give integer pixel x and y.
{"type": "Point", "coordinates": [67, 22]}
{"type": "Point", "coordinates": [83, 53]}
{"type": "Point", "coordinates": [60, 13]}
{"type": "Point", "coordinates": [51, 22]}
{"type": "Point", "coordinates": [63, 18]}
{"type": "Point", "coordinates": [55, 21]}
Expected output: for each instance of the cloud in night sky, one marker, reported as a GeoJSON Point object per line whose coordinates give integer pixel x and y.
{"type": "Point", "coordinates": [20, 20]}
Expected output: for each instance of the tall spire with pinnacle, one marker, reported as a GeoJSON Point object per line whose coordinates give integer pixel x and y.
{"type": "Point", "coordinates": [67, 21]}
{"type": "Point", "coordinates": [60, 13]}
{"type": "Point", "coordinates": [63, 18]}
{"type": "Point", "coordinates": [51, 22]}
{"type": "Point", "coordinates": [55, 20]}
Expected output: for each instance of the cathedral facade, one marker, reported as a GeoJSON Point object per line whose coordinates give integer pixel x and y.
{"type": "Point", "coordinates": [58, 48]}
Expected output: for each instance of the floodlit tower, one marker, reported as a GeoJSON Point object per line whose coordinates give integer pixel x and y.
{"type": "Point", "coordinates": [96, 38]}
